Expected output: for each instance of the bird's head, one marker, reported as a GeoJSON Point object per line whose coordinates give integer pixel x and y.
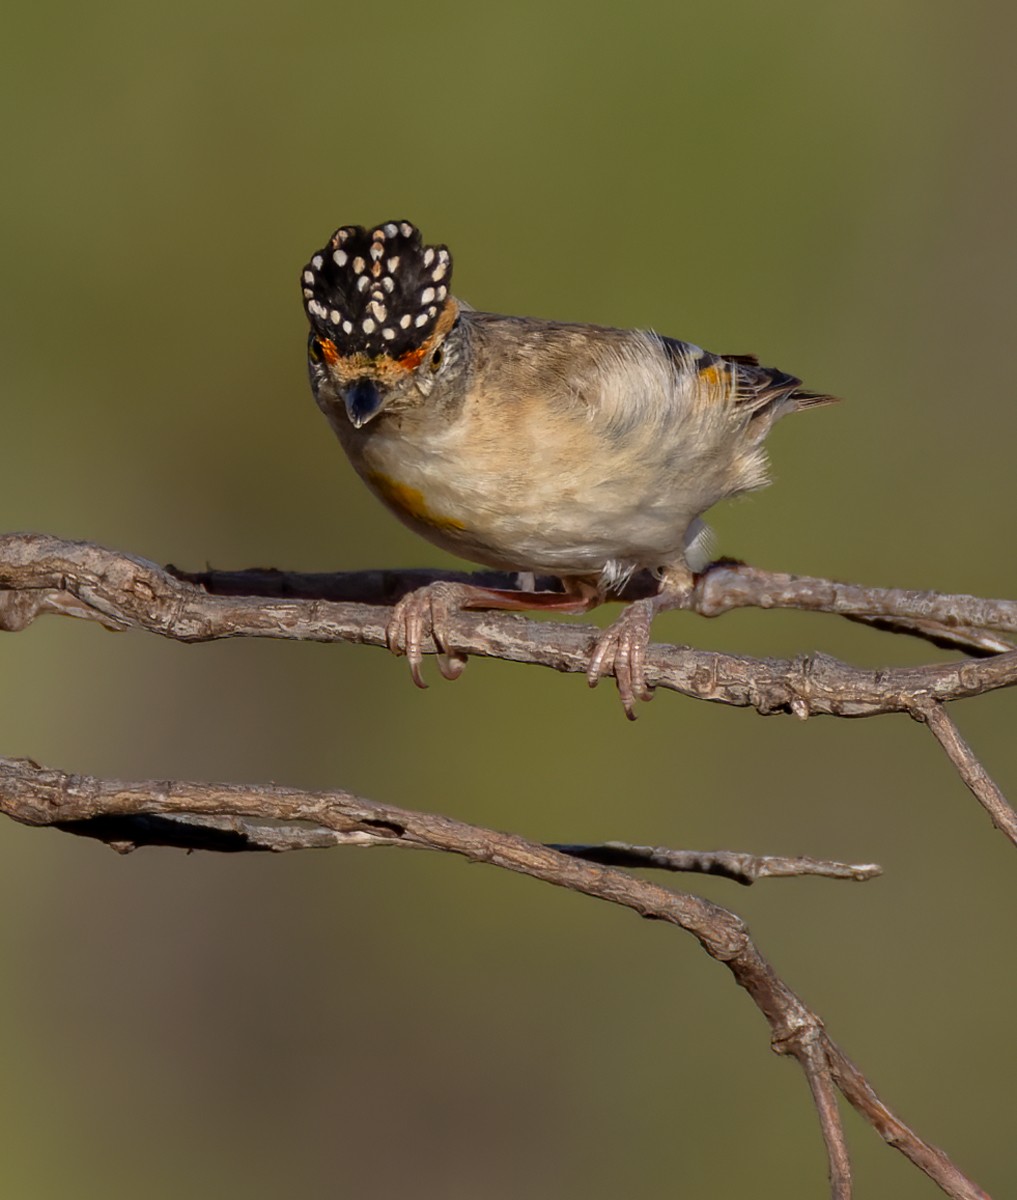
{"type": "Point", "coordinates": [381, 311]}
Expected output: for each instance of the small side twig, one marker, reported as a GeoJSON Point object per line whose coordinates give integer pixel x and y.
{"type": "Point", "coordinates": [981, 785]}
{"type": "Point", "coordinates": [817, 1071]}
{"type": "Point", "coordinates": [731, 864]}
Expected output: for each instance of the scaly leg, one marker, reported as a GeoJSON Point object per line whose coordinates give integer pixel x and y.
{"type": "Point", "coordinates": [426, 612]}
{"type": "Point", "coordinates": [621, 648]}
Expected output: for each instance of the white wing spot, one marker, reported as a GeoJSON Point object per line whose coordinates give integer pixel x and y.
{"type": "Point", "coordinates": [362, 283]}
{"type": "Point", "coordinates": [335, 316]}
{"type": "Point", "coordinates": [421, 320]}
{"type": "Point", "coordinates": [347, 326]}
{"type": "Point", "coordinates": [432, 311]}
{"type": "Point", "coordinates": [388, 284]}
{"type": "Point", "coordinates": [340, 257]}
{"type": "Point", "coordinates": [388, 334]}
{"type": "Point", "coordinates": [442, 292]}
{"type": "Point", "coordinates": [428, 256]}
{"type": "Point", "coordinates": [439, 271]}
{"type": "Point", "coordinates": [427, 295]}
{"type": "Point", "coordinates": [407, 229]}
{"type": "Point", "coordinates": [308, 277]}
{"type": "Point", "coordinates": [393, 263]}
{"type": "Point", "coordinates": [308, 294]}
{"type": "Point", "coordinates": [317, 262]}
{"type": "Point", "coordinates": [367, 325]}
{"type": "Point", "coordinates": [391, 229]}
{"type": "Point", "coordinates": [358, 265]}
{"type": "Point", "coordinates": [377, 250]}
{"type": "Point", "coordinates": [379, 310]}
{"type": "Point", "coordinates": [404, 322]}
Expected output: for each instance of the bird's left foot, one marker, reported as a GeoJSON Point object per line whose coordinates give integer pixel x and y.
{"type": "Point", "coordinates": [621, 648]}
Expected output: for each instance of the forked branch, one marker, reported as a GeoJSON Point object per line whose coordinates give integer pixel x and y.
{"type": "Point", "coordinates": [34, 795]}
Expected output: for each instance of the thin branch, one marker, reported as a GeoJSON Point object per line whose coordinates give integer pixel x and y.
{"type": "Point", "coordinates": [232, 835]}
{"type": "Point", "coordinates": [985, 790]}
{"type": "Point", "coordinates": [817, 1070]}
{"type": "Point", "coordinates": [725, 586]}
{"type": "Point", "coordinates": [121, 591]}
{"type": "Point", "coordinates": [34, 795]}
{"type": "Point", "coordinates": [742, 868]}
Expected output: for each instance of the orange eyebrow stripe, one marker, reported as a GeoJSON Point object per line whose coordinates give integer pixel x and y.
{"type": "Point", "coordinates": [413, 358]}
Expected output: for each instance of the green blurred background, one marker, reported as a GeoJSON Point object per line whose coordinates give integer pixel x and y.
{"type": "Point", "coordinates": [829, 186]}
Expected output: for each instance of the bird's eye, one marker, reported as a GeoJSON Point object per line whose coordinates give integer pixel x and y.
{"type": "Point", "coordinates": [437, 358]}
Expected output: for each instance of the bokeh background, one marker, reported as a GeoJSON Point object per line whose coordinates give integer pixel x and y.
{"type": "Point", "coordinates": [829, 186]}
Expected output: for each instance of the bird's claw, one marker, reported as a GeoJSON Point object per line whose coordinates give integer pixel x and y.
{"type": "Point", "coordinates": [425, 614]}
{"type": "Point", "coordinates": [621, 651]}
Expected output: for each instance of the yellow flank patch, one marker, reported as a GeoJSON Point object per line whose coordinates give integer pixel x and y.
{"type": "Point", "coordinates": [713, 375]}
{"type": "Point", "coordinates": [410, 501]}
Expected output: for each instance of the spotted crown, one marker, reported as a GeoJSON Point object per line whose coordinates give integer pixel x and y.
{"type": "Point", "coordinates": [377, 291]}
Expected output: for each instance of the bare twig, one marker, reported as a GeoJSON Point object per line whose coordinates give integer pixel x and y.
{"type": "Point", "coordinates": [985, 790]}
{"type": "Point", "coordinates": [725, 586]}
{"type": "Point", "coordinates": [121, 590]}
{"type": "Point", "coordinates": [817, 1070]}
{"type": "Point", "coordinates": [34, 795]}
{"type": "Point", "coordinates": [742, 868]}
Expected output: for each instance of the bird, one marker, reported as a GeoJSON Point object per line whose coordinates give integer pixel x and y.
{"type": "Point", "coordinates": [583, 452]}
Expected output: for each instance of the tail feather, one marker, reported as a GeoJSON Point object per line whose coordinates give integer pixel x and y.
{"type": "Point", "coordinates": [767, 391]}
{"type": "Point", "coordinates": [804, 399]}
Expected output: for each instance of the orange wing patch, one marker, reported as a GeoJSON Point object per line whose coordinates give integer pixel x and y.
{"type": "Point", "coordinates": [714, 376]}
{"type": "Point", "coordinates": [410, 500]}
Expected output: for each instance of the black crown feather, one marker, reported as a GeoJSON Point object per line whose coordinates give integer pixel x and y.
{"type": "Point", "coordinates": [377, 291]}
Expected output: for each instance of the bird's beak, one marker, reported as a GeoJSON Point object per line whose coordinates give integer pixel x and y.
{"type": "Point", "coordinates": [363, 401]}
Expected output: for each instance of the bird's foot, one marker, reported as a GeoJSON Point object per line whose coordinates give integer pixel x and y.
{"type": "Point", "coordinates": [425, 614]}
{"type": "Point", "coordinates": [621, 649]}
